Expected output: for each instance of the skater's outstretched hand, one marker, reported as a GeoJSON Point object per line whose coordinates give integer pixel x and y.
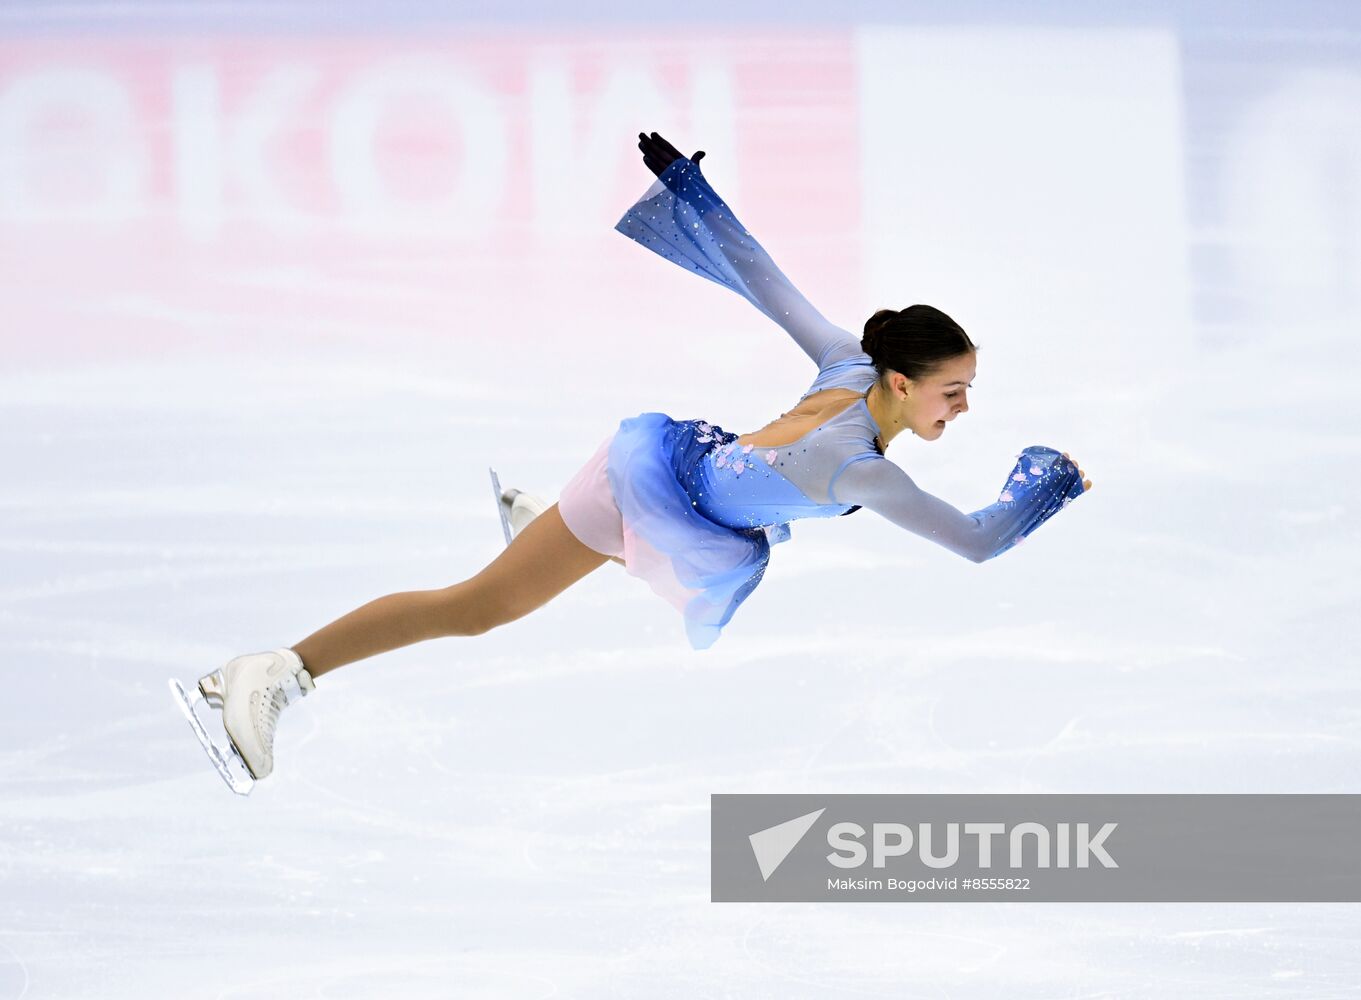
{"type": "Point", "coordinates": [658, 154]}
{"type": "Point", "coordinates": [1086, 483]}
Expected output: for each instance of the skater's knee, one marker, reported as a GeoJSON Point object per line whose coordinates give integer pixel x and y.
{"type": "Point", "coordinates": [472, 607]}
{"type": "Point", "coordinates": [481, 627]}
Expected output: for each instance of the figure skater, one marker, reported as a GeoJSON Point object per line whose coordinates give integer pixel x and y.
{"type": "Point", "coordinates": [687, 506]}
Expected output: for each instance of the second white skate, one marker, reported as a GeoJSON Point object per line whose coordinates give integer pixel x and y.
{"type": "Point", "coordinates": [516, 507]}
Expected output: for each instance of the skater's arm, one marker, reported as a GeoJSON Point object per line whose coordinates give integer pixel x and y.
{"type": "Point", "coordinates": [1048, 482]}
{"type": "Point", "coordinates": [682, 218]}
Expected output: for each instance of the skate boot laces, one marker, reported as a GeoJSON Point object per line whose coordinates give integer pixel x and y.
{"type": "Point", "coordinates": [266, 705]}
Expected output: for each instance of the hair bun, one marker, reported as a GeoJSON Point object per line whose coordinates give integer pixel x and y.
{"type": "Point", "coordinates": [872, 342]}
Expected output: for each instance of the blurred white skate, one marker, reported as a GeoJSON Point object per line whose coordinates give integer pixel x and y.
{"type": "Point", "coordinates": [251, 691]}
{"type": "Point", "coordinates": [516, 507]}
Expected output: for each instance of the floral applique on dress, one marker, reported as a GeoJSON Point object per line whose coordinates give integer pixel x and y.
{"type": "Point", "coordinates": [728, 456]}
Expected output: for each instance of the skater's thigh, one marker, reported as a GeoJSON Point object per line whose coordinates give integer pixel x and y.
{"type": "Point", "coordinates": [542, 561]}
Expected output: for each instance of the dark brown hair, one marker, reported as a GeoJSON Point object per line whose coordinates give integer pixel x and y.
{"type": "Point", "coordinates": [913, 341]}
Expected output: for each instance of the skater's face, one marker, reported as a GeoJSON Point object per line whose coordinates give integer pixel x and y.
{"type": "Point", "coordinates": [936, 399]}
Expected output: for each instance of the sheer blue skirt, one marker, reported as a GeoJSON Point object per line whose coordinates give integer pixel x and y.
{"type": "Point", "coordinates": [636, 500]}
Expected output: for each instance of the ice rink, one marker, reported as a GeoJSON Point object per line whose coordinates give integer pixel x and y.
{"type": "Point", "coordinates": [277, 287]}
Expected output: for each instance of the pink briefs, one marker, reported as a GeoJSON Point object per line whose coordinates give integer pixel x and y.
{"type": "Point", "coordinates": [588, 509]}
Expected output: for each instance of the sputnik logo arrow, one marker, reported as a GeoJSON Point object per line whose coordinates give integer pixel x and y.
{"type": "Point", "coordinates": [773, 844]}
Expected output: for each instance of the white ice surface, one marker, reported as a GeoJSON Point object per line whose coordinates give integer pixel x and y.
{"type": "Point", "coordinates": [525, 813]}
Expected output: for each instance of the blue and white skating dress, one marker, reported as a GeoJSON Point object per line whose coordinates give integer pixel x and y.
{"type": "Point", "coordinates": [694, 514]}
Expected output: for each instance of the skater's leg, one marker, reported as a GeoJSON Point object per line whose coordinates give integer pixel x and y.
{"type": "Point", "coordinates": [522, 508]}
{"type": "Point", "coordinates": [542, 561]}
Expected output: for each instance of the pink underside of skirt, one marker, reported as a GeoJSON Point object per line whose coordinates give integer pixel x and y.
{"type": "Point", "coordinates": [588, 509]}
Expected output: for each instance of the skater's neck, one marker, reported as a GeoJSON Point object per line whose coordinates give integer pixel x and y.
{"type": "Point", "coordinates": [889, 425]}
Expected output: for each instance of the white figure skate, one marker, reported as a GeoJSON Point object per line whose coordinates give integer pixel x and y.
{"type": "Point", "coordinates": [251, 691]}
{"type": "Point", "coordinates": [516, 507]}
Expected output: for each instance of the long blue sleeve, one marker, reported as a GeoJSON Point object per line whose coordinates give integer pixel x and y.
{"type": "Point", "coordinates": [684, 220]}
{"type": "Point", "coordinates": [1042, 483]}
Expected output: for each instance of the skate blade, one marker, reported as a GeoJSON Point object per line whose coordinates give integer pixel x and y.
{"type": "Point", "coordinates": [500, 507]}
{"type": "Point", "coordinates": [225, 758]}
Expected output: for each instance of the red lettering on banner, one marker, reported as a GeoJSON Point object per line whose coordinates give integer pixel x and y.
{"type": "Point", "coordinates": [177, 180]}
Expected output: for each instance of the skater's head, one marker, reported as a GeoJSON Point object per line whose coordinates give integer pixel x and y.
{"type": "Point", "coordinates": [925, 362]}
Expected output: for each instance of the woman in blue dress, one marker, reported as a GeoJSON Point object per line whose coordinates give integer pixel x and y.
{"type": "Point", "coordinates": [688, 507]}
